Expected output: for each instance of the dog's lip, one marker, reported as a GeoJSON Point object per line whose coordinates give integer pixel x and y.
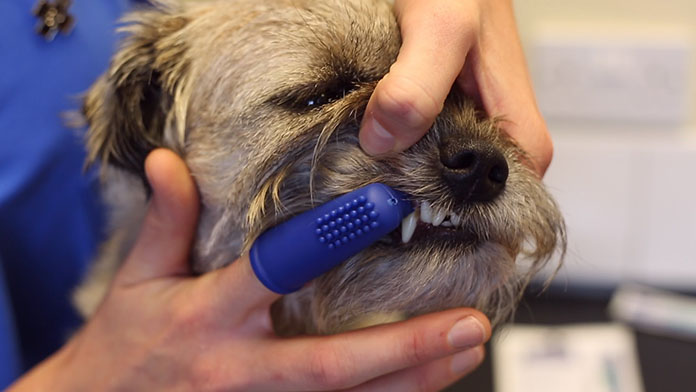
{"type": "Point", "coordinates": [425, 232]}
{"type": "Point", "coordinates": [429, 232]}
{"type": "Point", "coordinates": [430, 223]}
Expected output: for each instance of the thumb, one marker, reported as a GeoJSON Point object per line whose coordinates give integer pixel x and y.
{"type": "Point", "coordinates": [163, 245]}
{"type": "Point", "coordinates": [405, 103]}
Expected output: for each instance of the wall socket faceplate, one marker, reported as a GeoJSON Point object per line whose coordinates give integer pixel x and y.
{"type": "Point", "coordinates": [630, 207]}
{"type": "Point", "coordinates": [613, 79]}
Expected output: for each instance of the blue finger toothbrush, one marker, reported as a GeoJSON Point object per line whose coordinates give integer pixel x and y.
{"type": "Point", "coordinates": [287, 256]}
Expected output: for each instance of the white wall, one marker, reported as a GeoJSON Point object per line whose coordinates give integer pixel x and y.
{"type": "Point", "coordinates": [616, 80]}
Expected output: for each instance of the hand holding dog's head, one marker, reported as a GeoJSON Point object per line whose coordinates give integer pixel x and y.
{"type": "Point", "coordinates": [264, 101]}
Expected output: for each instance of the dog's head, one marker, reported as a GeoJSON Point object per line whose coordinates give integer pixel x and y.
{"type": "Point", "coordinates": [264, 99]}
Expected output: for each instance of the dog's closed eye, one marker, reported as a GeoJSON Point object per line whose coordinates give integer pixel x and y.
{"type": "Point", "coordinates": [313, 96]}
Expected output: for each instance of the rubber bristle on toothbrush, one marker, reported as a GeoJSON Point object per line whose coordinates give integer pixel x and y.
{"type": "Point", "coordinates": [287, 256]}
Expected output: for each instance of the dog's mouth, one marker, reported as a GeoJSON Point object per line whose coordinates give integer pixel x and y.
{"type": "Point", "coordinates": [426, 223]}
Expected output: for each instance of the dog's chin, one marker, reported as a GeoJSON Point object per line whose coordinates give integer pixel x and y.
{"type": "Point", "coordinates": [442, 269]}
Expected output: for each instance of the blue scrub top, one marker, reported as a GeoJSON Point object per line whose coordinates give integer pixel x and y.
{"type": "Point", "coordinates": [51, 217]}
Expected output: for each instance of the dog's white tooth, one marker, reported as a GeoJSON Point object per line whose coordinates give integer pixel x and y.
{"type": "Point", "coordinates": [455, 219]}
{"type": "Point", "coordinates": [447, 224]}
{"type": "Point", "coordinates": [408, 227]}
{"type": "Point", "coordinates": [426, 213]}
{"type": "Point", "coordinates": [439, 217]}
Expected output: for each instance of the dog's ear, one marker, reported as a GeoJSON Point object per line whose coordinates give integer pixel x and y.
{"type": "Point", "coordinates": [131, 109]}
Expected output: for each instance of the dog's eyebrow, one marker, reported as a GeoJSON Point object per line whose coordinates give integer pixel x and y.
{"type": "Point", "coordinates": [309, 96]}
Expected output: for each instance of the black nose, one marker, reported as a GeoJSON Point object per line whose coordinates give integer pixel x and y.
{"type": "Point", "coordinates": [475, 171]}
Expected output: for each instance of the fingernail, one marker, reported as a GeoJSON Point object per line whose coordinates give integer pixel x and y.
{"type": "Point", "coordinates": [466, 361]}
{"type": "Point", "coordinates": [467, 332]}
{"type": "Point", "coordinates": [377, 140]}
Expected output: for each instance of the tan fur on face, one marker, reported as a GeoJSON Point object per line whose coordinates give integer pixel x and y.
{"type": "Point", "coordinates": [227, 83]}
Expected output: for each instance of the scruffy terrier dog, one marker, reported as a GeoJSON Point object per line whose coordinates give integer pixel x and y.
{"type": "Point", "coordinates": [263, 100]}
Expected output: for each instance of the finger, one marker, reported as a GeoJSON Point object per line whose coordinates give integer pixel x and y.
{"type": "Point", "coordinates": [163, 245]}
{"type": "Point", "coordinates": [350, 359]}
{"type": "Point", "coordinates": [236, 288]}
{"type": "Point", "coordinates": [432, 376]}
{"type": "Point", "coordinates": [437, 36]}
{"type": "Point", "coordinates": [508, 95]}
{"type": "Point", "coordinates": [497, 74]}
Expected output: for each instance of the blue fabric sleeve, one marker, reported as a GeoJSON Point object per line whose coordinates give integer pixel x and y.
{"type": "Point", "coordinates": [51, 218]}
{"type": "Point", "coordinates": [9, 353]}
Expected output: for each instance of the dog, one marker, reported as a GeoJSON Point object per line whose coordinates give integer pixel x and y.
{"type": "Point", "coordinates": [263, 100]}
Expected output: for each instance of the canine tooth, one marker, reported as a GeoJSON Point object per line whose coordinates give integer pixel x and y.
{"type": "Point", "coordinates": [447, 224]}
{"type": "Point", "coordinates": [455, 219]}
{"type": "Point", "coordinates": [439, 217]}
{"type": "Point", "coordinates": [426, 213]}
{"type": "Point", "coordinates": [408, 226]}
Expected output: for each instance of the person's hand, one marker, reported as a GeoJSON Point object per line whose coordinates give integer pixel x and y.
{"type": "Point", "coordinates": [161, 328]}
{"type": "Point", "coordinates": [472, 43]}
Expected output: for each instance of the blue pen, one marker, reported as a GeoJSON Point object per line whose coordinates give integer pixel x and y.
{"type": "Point", "coordinates": [287, 256]}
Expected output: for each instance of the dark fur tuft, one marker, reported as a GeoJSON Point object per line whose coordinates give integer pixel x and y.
{"type": "Point", "coordinates": [130, 106]}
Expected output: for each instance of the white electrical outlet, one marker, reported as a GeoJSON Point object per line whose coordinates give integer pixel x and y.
{"type": "Point", "coordinates": [607, 78]}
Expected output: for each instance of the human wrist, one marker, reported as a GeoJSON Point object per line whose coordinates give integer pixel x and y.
{"type": "Point", "coordinates": [55, 373]}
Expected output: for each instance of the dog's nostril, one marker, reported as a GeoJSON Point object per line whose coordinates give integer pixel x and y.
{"type": "Point", "coordinates": [498, 174]}
{"type": "Point", "coordinates": [474, 171]}
{"type": "Point", "coordinates": [462, 160]}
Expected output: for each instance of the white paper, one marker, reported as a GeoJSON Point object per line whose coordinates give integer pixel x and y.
{"type": "Point", "coordinates": [655, 311]}
{"type": "Point", "coordinates": [573, 358]}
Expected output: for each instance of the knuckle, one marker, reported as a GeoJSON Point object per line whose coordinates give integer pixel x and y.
{"type": "Point", "coordinates": [408, 102]}
{"type": "Point", "coordinates": [328, 368]}
{"type": "Point", "coordinates": [187, 318]}
{"type": "Point", "coordinates": [415, 350]}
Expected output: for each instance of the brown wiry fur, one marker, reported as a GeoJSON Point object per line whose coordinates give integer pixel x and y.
{"type": "Point", "coordinates": [226, 84]}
